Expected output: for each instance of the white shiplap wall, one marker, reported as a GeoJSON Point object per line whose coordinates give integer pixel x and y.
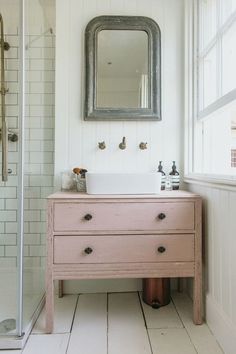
{"type": "Point", "coordinates": [220, 262]}
{"type": "Point", "coordinates": [76, 140]}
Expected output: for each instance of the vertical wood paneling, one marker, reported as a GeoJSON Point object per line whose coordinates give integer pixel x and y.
{"type": "Point", "coordinates": [220, 229]}
{"type": "Point", "coordinates": [79, 145]}
{"type": "Point", "coordinates": [232, 253]}
{"type": "Point", "coordinates": [225, 250]}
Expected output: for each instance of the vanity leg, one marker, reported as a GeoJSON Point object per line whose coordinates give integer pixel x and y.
{"type": "Point", "coordinates": [60, 288]}
{"type": "Point", "coordinates": [49, 305]}
{"type": "Point", "coordinates": [197, 300]}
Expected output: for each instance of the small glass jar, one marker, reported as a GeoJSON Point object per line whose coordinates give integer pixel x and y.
{"type": "Point", "coordinates": [67, 181]}
{"type": "Point", "coordinates": [81, 184]}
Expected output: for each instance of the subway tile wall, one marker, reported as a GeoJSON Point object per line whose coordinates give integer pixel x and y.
{"type": "Point", "coordinates": [39, 147]}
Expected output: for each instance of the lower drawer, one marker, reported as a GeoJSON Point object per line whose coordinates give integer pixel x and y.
{"type": "Point", "coordinates": [131, 248]}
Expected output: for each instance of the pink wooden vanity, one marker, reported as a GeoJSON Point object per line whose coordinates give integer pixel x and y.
{"type": "Point", "coordinates": [124, 236]}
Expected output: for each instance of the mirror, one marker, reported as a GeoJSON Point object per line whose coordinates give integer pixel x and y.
{"type": "Point", "coordinates": [123, 69]}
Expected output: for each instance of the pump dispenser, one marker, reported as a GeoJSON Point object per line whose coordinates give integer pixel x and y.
{"type": "Point", "coordinates": [163, 175]}
{"type": "Point", "coordinates": [174, 177]}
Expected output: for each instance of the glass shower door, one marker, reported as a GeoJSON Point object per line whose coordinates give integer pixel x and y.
{"type": "Point", "coordinates": [9, 146]}
{"type": "Point", "coordinates": [39, 58]}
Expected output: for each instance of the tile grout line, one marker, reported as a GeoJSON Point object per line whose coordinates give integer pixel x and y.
{"type": "Point", "coordinates": [145, 323]}
{"type": "Point", "coordinates": [72, 323]}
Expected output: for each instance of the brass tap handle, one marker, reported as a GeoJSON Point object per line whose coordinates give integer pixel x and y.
{"type": "Point", "coordinates": [122, 145]}
{"type": "Point", "coordinates": [143, 146]}
{"type": "Point", "coordinates": [102, 145]}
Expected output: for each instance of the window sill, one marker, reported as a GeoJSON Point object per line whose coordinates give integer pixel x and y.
{"type": "Point", "coordinates": [215, 181]}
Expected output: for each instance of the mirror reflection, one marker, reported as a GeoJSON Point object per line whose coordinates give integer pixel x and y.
{"type": "Point", "coordinates": [122, 69]}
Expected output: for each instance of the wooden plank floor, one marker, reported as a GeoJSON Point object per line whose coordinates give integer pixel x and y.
{"type": "Point", "coordinates": [121, 323]}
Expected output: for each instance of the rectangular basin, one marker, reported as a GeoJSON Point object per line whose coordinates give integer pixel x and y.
{"type": "Point", "coordinates": [123, 183]}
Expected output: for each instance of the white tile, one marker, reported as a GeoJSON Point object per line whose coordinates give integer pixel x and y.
{"type": "Point", "coordinates": [37, 251]}
{"type": "Point", "coordinates": [200, 336]}
{"type": "Point", "coordinates": [164, 317]}
{"type": "Point", "coordinates": [11, 204]}
{"type": "Point", "coordinates": [10, 251]}
{"type": "Point", "coordinates": [11, 99]}
{"type": "Point", "coordinates": [41, 87]}
{"type": "Point", "coordinates": [47, 344]}
{"type": "Point", "coordinates": [32, 262]}
{"type": "Point", "coordinates": [32, 215]}
{"type": "Point", "coordinates": [11, 227]}
{"type": "Point", "coordinates": [126, 329]}
{"type": "Point", "coordinates": [32, 239]}
{"type": "Point", "coordinates": [89, 332]}
{"type": "Point", "coordinates": [33, 76]}
{"type": "Point", "coordinates": [13, 53]}
{"type": "Point", "coordinates": [8, 192]}
{"type": "Point", "coordinates": [7, 215]}
{"type": "Point", "coordinates": [8, 262]}
{"type": "Point", "coordinates": [35, 53]}
{"type": "Point", "coordinates": [1, 251]}
{"type": "Point", "coordinates": [171, 341]}
{"type": "Point", "coordinates": [7, 239]}
{"type": "Point", "coordinates": [64, 312]}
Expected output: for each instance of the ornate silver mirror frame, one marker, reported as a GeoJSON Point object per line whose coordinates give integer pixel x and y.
{"type": "Point", "coordinates": [138, 23]}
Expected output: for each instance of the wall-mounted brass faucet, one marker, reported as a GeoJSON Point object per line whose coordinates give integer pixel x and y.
{"type": "Point", "coordinates": [122, 145]}
{"type": "Point", "coordinates": [102, 145]}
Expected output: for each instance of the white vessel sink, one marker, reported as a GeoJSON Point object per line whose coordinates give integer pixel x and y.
{"type": "Point", "coordinates": [123, 183]}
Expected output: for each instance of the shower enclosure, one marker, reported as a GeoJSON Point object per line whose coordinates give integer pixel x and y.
{"type": "Point", "coordinates": [27, 43]}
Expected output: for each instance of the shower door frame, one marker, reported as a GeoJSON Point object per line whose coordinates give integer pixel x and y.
{"type": "Point", "coordinates": [18, 340]}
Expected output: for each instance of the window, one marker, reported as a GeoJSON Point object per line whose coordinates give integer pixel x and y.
{"type": "Point", "coordinates": [213, 62]}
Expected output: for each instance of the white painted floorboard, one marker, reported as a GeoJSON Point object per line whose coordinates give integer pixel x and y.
{"type": "Point", "coordinates": [126, 328]}
{"type": "Point", "coordinates": [171, 341]}
{"type": "Point", "coordinates": [201, 336]}
{"type": "Point", "coordinates": [164, 317]}
{"type": "Point", "coordinates": [89, 332]}
{"type": "Point", "coordinates": [64, 312]}
{"type": "Point", "coordinates": [47, 344]}
{"type": "Point", "coordinates": [114, 324]}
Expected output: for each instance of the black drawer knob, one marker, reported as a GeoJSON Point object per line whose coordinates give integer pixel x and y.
{"type": "Point", "coordinates": [88, 217]}
{"type": "Point", "coordinates": [88, 250]}
{"type": "Point", "coordinates": [161, 249]}
{"type": "Point", "coordinates": [161, 216]}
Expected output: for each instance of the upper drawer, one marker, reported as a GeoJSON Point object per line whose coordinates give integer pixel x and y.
{"type": "Point", "coordinates": [123, 216]}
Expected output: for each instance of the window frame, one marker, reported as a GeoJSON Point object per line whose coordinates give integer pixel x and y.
{"type": "Point", "coordinates": [192, 114]}
{"type": "Point", "coordinates": [215, 42]}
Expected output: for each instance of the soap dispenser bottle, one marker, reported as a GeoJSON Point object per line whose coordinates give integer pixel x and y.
{"type": "Point", "coordinates": [174, 177]}
{"type": "Point", "coordinates": [163, 175]}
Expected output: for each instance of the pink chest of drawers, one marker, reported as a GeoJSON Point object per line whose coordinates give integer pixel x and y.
{"type": "Point", "coordinates": [106, 236]}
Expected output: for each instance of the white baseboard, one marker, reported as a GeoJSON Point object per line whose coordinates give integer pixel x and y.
{"type": "Point", "coordinates": [221, 326]}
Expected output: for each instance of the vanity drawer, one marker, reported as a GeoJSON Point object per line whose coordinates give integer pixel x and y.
{"type": "Point", "coordinates": [116, 249]}
{"type": "Point", "coordinates": [123, 216]}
